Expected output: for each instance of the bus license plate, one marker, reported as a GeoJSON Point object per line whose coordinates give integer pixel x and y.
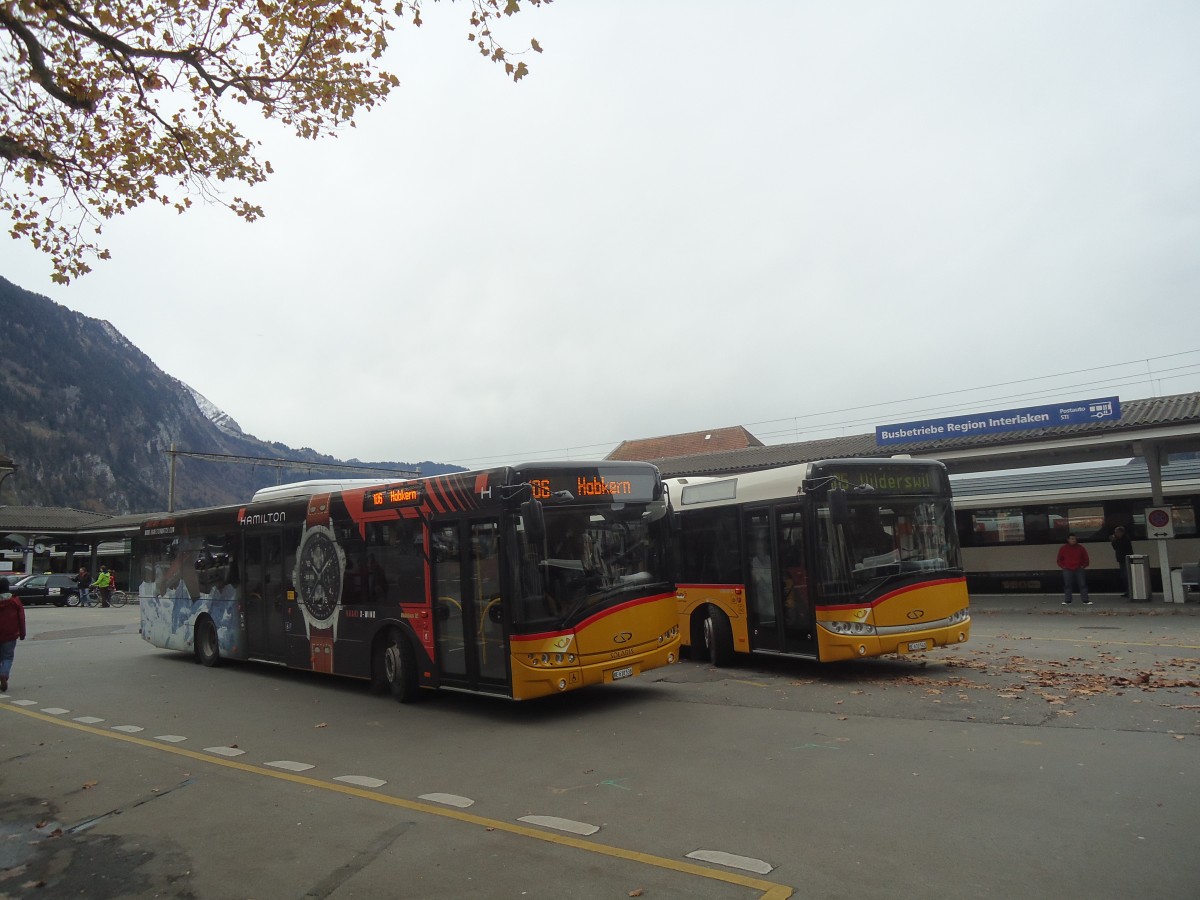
{"type": "Point", "coordinates": [918, 645]}
{"type": "Point", "coordinates": [622, 673]}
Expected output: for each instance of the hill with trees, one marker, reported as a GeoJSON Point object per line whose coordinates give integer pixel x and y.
{"type": "Point", "coordinates": [88, 419]}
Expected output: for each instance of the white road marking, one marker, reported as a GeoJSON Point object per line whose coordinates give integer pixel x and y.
{"type": "Point", "coordinates": [361, 780]}
{"type": "Point", "coordinates": [128, 729]}
{"type": "Point", "coordinates": [721, 858]}
{"type": "Point", "coordinates": [170, 738]}
{"type": "Point", "coordinates": [224, 751]}
{"type": "Point", "coordinates": [448, 799]}
{"type": "Point", "coordinates": [25, 703]}
{"type": "Point", "coordinates": [55, 711]}
{"type": "Point", "coordinates": [289, 765]}
{"type": "Point", "coordinates": [87, 720]}
{"type": "Point", "coordinates": [561, 824]}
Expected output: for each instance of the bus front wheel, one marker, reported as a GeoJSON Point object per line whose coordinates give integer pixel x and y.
{"type": "Point", "coordinates": [718, 637]}
{"type": "Point", "coordinates": [400, 668]}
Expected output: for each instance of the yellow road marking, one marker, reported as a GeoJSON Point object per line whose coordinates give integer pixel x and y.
{"type": "Point", "coordinates": [771, 890]}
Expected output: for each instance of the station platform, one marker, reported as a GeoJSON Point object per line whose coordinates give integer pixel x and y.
{"type": "Point", "coordinates": [1110, 604]}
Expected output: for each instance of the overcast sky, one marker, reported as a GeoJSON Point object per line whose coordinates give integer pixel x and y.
{"type": "Point", "coordinates": [805, 218]}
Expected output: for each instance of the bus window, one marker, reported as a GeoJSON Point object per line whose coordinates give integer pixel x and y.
{"type": "Point", "coordinates": [448, 601]}
{"type": "Point", "coordinates": [489, 612]}
{"type": "Point", "coordinates": [707, 546]}
{"type": "Point", "coordinates": [529, 601]}
{"type": "Point", "coordinates": [760, 587]}
{"type": "Point", "coordinates": [792, 570]}
{"type": "Point", "coordinates": [394, 564]}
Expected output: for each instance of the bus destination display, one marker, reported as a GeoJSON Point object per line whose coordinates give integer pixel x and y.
{"type": "Point", "coordinates": [591, 485]}
{"type": "Point", "coordinates": [890, 479]}
{"type": "Point", "coordinates": [393, 496]}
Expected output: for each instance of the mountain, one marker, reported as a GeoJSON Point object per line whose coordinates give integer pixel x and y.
{"type": "Point", "coordinates": [88, 419]}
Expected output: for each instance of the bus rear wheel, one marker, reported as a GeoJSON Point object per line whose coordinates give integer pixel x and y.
{"type": "Point", "coordinates": [400, 668]}
{"type": "Point", "coordinates": [718, 637]}
{"type": "Point", "coordinates": [208, 647]}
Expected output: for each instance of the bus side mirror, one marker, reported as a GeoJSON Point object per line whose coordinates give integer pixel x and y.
{"type": "Point", "coordinates": [839, 508]}
{"type": "Point", "coordinates": [535, 522]}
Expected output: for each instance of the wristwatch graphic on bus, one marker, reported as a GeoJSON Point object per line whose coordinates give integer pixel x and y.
{"type": "Point", "coordinates": [318, 579]}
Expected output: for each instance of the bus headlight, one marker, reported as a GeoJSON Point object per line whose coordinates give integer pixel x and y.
{"type": "Point", "coordinates": [960, 616]}
{"type": "Point", "coordinates": [668, 635]}
{"type": "Point", "coordinates": [553, 660]}
{"type": "Point", "coordinates": [849, 628]}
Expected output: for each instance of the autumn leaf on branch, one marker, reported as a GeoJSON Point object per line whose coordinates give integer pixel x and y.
{"type": "Point", "coordinates": [107, 106]}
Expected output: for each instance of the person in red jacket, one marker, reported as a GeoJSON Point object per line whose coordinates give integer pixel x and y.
{"type": "Point", "coordinates": [12, 629]}
{"type": "Point", "coordinates": [1073, 560]}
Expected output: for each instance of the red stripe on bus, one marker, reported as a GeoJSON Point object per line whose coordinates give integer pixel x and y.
{"type": "Point", "coordinates": [629, 604]}
{"type": "Point", "coordinates": [896, 593]}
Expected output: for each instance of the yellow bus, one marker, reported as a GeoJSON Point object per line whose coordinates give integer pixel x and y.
{"type": "Point", "coordinates": [517, 582]}
{"type": "Point", "coordinates": [832, 560]}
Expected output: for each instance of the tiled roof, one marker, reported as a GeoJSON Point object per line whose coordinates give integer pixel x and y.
{"type": "Point", "coordinates": [715, 439]}
{"type": "Point", "coordinates": [1136, 415]}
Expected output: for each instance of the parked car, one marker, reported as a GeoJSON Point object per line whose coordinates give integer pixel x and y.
{"type": "Point", "coordinates": [56, 589]}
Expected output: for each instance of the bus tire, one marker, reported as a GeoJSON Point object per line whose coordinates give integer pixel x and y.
{"type": "Point", "coordinates": [208, 647]}
{"type": "Point", "coordinates": [718, 637]}
{"type": "Point", "coordinates": [400, 667]}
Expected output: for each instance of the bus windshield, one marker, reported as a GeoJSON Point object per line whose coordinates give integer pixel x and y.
{"type": "Point", "coordinates": [884, 537]}
{"type": "Point", "coordinates": [589, 559]}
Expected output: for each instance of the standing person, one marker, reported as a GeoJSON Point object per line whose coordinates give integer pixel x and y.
{"type": "Point", "coordinates": [1073, 560]}
{"type": "Point", "coordinates": [84, 580]}
{"type": "Point", "coordinates": [12, 629]}
{"type": "Point", "coordinates": [103, 584]}
{"type": "Point", "coordinates": [1122, 546]}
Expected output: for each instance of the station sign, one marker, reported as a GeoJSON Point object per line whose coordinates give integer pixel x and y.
{"type": "Point", "coordinates": [1079, 412]}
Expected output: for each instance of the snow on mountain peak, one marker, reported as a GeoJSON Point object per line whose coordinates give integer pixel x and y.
{"type": "Point", "coordinates": [214, 413]}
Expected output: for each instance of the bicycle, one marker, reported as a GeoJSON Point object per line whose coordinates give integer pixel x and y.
{"type": "Point", "coordinates": [116, 598]}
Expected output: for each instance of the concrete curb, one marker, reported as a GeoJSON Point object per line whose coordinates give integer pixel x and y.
{"type": "Point", "coordinates": [1108, 604]}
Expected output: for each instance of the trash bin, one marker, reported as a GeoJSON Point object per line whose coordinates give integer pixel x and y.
{"type": "Point", "coordinates": [1139, 576]}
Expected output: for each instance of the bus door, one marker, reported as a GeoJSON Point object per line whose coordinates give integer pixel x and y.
{"type": "Point", "coordinates": [796, 611]}
{"type": "Point", "coordinates": [264, 588]}
{"type": "Point", "coordinates": [469, 617]}
{"type": "Point", "coordinates": [777, 596]}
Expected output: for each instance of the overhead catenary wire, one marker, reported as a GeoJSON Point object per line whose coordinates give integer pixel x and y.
{"type": "Point", "coordinates": [844, 418]}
